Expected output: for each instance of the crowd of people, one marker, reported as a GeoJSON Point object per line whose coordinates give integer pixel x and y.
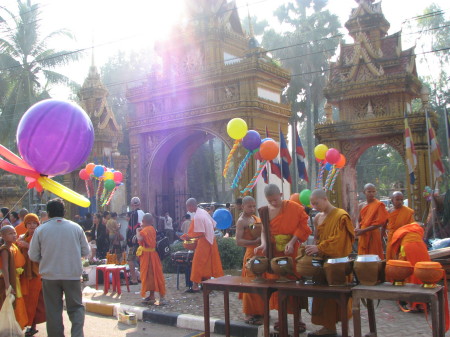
{"type": "Point", "coordinates": [41, 256]}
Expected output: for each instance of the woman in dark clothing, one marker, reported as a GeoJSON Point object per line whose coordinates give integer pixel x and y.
{"type": "Point", "coordinates": [101, 236]}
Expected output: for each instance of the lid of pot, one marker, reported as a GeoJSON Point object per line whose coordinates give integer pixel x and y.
{"type": "Point", "coordinates": [399, 263]}
{"type": "Point", "coordinates": [428, 265]}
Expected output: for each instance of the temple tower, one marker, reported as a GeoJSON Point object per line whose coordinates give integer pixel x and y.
{"type": "Point", "coordinates": [211, 72]}
{"type": "Point", "coordinates": [372, 85]}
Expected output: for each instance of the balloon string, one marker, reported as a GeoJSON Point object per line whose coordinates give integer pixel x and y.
{"type": "Point", "coordinates": [256, 180]}
{"type": "Point", "coordinates": [334, 179]}
{"type": "Point", "coordinates": [252, 182]}
{"type": "Point", "coordinates": [105, 197]}
{"type": "Point", "coordinates": [233, 149]}
{"type": "Point", "coordinates": [320, 176]}
{"type": "Point", "coordinates": [87, 188]}
{"type": "Point", "coordinates": [329, 177]}
{"type": "Point", "coordinates": [111, 195]}
{"type": "Point", "coordinates": [99, 189]}
{"type": "Point", "coordinates": [240, 169]}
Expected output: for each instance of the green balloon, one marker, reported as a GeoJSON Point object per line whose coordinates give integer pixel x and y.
{"type": "Point", "coordinates": [305, 197]}
{"type": "Point", "coordinates": [109, 184]}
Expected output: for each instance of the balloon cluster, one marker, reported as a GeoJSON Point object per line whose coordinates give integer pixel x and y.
{"type": "Point", "coordinates": [108, 178]}
{"type": "Point", "coordinates": [302, 198]}
{"type": "Point", "coordinates": [330, 160]}
{"type": "Point", "coordinates": [266, 148]}
{"type": "Point", "coordinates": [54, 137]}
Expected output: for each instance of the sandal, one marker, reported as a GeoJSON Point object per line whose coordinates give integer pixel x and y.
{"type": "Point", "coordinates": [31, 332]}
{"type": "Point", "coordinates": [149, 301]}
{"type": "Point", "coordinates": [255, 320]}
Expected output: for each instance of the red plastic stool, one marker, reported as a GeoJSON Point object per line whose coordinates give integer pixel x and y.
{"type": "Point", "coordinates": [105, 268]}
{"type": "Point", "coordinates": [115, 271]}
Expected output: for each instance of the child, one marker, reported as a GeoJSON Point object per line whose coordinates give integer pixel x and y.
{"type": "Point", "coordinates": [113, 228]}
{"type": "Point", "coordinates": [152, 276]}
{"type": "Point", "coordinates": [92, 244]}
{"type": "Point", "coordinates": [11, 264]}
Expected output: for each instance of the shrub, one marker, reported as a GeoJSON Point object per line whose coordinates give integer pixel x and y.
{"type": "Point", "coordinates": [231, 255]}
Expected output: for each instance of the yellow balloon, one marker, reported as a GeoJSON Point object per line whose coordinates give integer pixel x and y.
{"type": "Point", "coordinates": [237, 128]}
{"type": "Point", "coordinates": [108, 175]}
{"type": "Point", "coordinates": [63, 192]}
{"type": "Point", "coordinates": [320, 151]}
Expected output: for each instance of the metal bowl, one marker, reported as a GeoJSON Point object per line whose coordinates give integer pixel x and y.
{"type": "Point", "coordinates": [339, 260]}
{"type": "Point", "coordinates": [368, 258]}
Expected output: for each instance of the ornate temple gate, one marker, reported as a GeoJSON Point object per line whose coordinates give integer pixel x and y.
{"type": "Point", "coordinates": [372, 84]}
{"type": "Point", "coordinates": [212, 72]}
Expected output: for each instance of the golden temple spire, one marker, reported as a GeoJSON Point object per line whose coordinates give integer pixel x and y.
{"type": "Point", "coordinates": [250, 24]}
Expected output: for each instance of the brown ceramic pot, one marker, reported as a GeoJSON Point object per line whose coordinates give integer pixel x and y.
{"type": "Point", "coordinates": [369, 273]}
{"type": "Point", "coordinates": [429, 273]}
{"type": "Point", "coordinates": [282, 266]}
{"type": "Point", "coordinates": [258, 265]}
{"type": "Point", "coordinates": [311, 269]}
{"type": "Point", "coordinates": [336, 272]}
{"type": "Point", "coordinates": [398, 271]}
{"type": "Point", "coordinates": [255, 230]}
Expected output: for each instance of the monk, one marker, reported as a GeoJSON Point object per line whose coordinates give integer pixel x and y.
{"type": "Point", "coordinates": [20, 228]}
{"type": "Point", "coordinates": [11, 264]}
{"type": "Point", "coordinates": [334, 238]}
{"type": "Point", "coordinates": [206, 262]}
{"type": "Point", "coordinates": [252, 304]}
{"type": "Point", "coordinates": [399, 216]}
{"type": "Point", "coordinates": [284, 228]}
{"type": "Point", "coordinates": [30, 280]}
{"type": "Point", "coordinates": [373, 215]}
{"type": "Point", "coordinates": [152, 277]}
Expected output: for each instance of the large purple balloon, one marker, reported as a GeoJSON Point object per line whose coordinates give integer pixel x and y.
{"type": "Point", "coordinates": [55, 137]}
{"type": "Point", "coordinates": [252, 140]}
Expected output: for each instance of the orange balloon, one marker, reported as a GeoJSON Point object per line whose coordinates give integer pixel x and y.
{"type": "Point", "coordinates": [269, 150]}
{"type": "Point", "coordinates": [341, 162]}
{"type": "Point", "coordinates": [295, 198]}
{"type": "Point", "coordinates": [90, 168]}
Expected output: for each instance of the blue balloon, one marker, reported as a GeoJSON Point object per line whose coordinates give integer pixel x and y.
{"type": "Point", "coordinates": [223, 218]}
{"type": "Point", "coordinates": [328, 166]}
{"type": "Point", "coordinates": [98, 171]}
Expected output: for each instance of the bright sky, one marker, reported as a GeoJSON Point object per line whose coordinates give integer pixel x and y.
{"type": "Point", "coordinates": [135, 24]}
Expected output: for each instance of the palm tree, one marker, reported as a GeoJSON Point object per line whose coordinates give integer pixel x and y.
{"type": "Point", "coordinates": [26, 65]}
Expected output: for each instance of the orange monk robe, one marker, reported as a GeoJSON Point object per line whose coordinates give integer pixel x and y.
{"type": "Point", "coordinates": [31, 286]}
{"type": "Point", "coordinates": [291, 220]}
{"type": "Point", "coordinates": [152, 277]}
{"type": "Point", "coordinates": [335, 237]}
{"type": "Point", "coordinates": [206, 262]}
{"type": "Point", "coordinates": [373, 214]}
{"type": "Point", "coordinates": [20, 229]}
{"type": "Point", "coordinates": [252, 304]}
{"type": "Point", "coordinates": [18, 260]}
{"type": "Point", "coordinates": [397, 218]}
{"type": "Point", "coordinates": [407, 244]}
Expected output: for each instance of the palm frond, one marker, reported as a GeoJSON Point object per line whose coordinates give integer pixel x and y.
{"type": "Point", "coordinates": [7, 62]}
{"type": "Point", "coordinates": [57, 33]}
{"type": "Point", "coordinates": [7, 48]}
{"type": "Point", "coordinates": [58, 58]}
{"type": "Point", "coordinates": [57, 78]}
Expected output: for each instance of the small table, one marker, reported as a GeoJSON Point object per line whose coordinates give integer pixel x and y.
{"type": "Point", "coordinates": [340, 294]}
{"type": "Point", "coordinates": [238, 284]}
{"type": "Point", "coordinates": [408, 293]}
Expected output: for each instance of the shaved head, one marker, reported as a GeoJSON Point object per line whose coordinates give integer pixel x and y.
{"type": "Point", "coordinates": [247, 199]}
{"type": "Point", "coordinates": [148, 219]}
{"type": "Point", "coordinates": [397, 194]}
{"type": "Point", "coordinates": [6, 229]}
{"type": "Point", "coordinates": [319, 194]}
{"type": "Point", "coordinates": [191, 202]}
{"type": "Point", "coordinates": [369, 185]}
{"type": "Point", "coordinates": [271, 190]}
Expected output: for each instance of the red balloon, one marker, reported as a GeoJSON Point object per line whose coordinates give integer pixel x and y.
{"type": "Point", "coordinates": [269, 150]}
{"type": "Point", "coordinates": [118, 176]}
{"type": "Point", "coordinates": [83, 174]}
{"type": "Point", "coordinates": [342, 161]}
{"type": "Point", "coordinates": [295, 198]}
{"type": "Point", "coordinates": [332, 156]}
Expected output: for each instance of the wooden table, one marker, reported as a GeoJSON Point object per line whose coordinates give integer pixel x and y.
{"type": "Point", "coordinates": [407, 293]}
{"type": "Point", "coordinates": [340, 294]}
{"type": "Point", "coordinates": [239, 284]}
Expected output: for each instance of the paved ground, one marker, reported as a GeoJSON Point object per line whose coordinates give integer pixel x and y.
{"type": "Point", "coordinates": [101, 326]}
{"type": "Point", "coordinates": [390, 320]}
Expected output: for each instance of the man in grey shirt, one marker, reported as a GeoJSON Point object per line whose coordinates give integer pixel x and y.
{"type": "Point", "coordinates": [58, 245]}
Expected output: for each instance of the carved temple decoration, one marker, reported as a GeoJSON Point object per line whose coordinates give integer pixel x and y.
{"type": "Point", "coordinates": [211, 71]}
{"type": "Point", "coordinates": [108, 134]}
{"type": "Point", "coordinates": [372, 84]}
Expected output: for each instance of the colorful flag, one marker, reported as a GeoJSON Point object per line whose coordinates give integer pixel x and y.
{"type": "Point", "coordinates": [411, 157]}
{"type": "Point", "coordinates": [286, 159]}
{"type": "Point", "coordinates": [301, 159]}
{"type": "Point", "coordinates": [436, 157]}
